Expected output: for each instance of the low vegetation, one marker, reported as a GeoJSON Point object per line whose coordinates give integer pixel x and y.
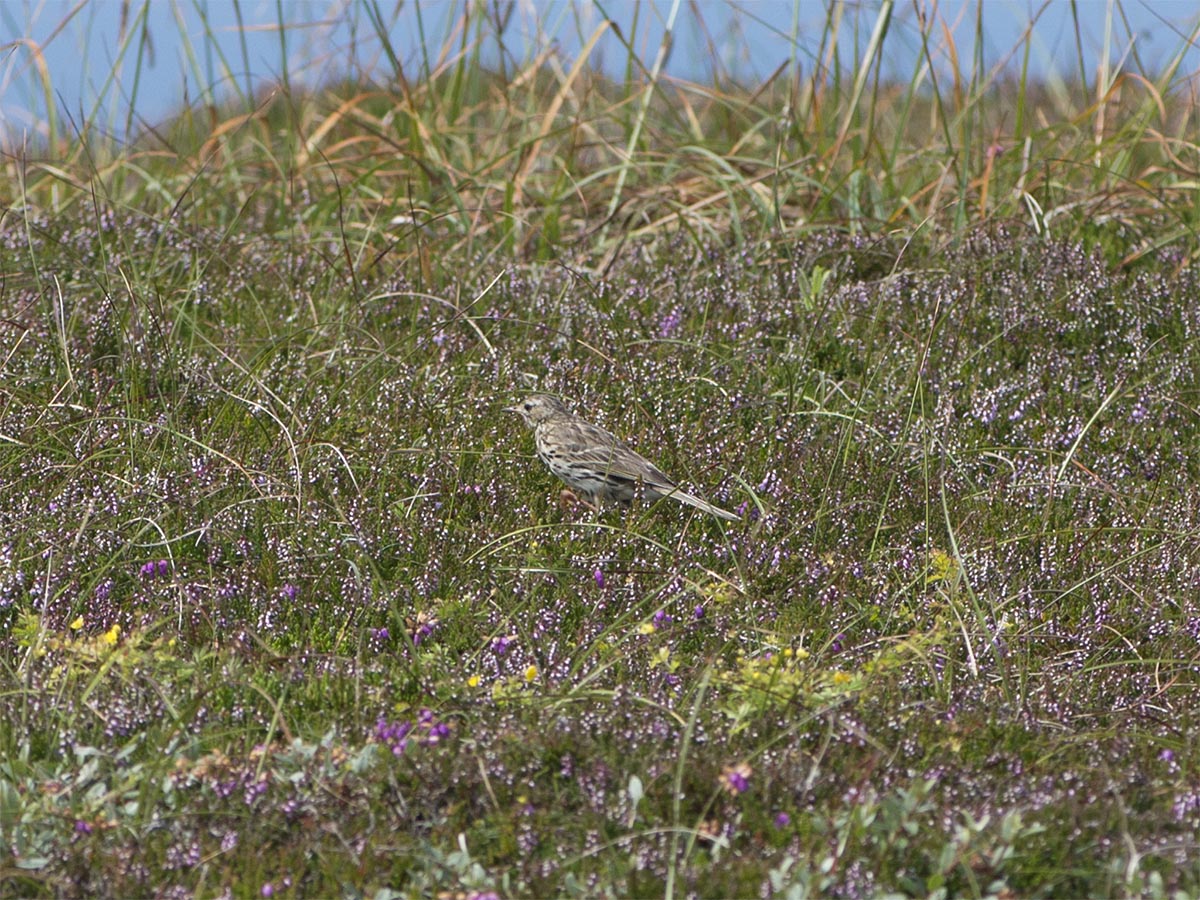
{"type": "Point", "coordinates": [288, 607]}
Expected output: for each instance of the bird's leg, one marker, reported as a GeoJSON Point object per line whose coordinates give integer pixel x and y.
{"type": "Point", "coordinates": [568, 499]}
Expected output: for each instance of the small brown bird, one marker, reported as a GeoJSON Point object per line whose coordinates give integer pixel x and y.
{"type": "Point", "coordinates": [596, 463]}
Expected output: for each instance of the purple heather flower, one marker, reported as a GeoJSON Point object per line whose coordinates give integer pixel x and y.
{"type": "Point", "coordinates": [783, 820]}
{"type": "Point", "coordinates": [736, 779]}
{"type": "Point", "coordinates": [698, 612]}
{"type": "Point", "coordinates": [82, 827]}
{"type": "Point", "coordinates": [289, 592]}
{"type": "Point", "coordinates": [669, 324]}
{"type": "Point", "coordinates": [1186, 806]}
{"type": "Point", "coordinates": [267, 889]}
{"type": "Point", "coordinates": [164, 568]}
{"type": "Point", "coordinates": [394, 735]}
{"type": "Point", "coordinates": [147, 570]}
{"type": "Point", "coordinates": [599, 576]}
{"type": "Point", "coordinates": [253, 791]}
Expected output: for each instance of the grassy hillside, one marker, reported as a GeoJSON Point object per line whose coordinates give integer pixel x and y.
{"type": "Point", "coordinates": [288, 606]}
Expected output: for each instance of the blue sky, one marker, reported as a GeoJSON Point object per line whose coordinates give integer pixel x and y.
{"type": "Point", "coordinates": [334, 38]}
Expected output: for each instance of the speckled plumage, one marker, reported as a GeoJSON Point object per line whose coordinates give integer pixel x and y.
{"type": "Point", "coordinates": [596, 463]}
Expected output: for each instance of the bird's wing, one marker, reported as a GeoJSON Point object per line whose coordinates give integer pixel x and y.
{"type": "Point", "coordinates": [610, 454]}
{"type": "Point", "coordinates": [591, 445]}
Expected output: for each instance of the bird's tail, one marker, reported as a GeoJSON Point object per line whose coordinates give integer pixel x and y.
{"type": "Point", "coordinates": [703, 505]}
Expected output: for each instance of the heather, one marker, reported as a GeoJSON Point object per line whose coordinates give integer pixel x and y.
{"type": "Point", "coordinates": [289, 607]}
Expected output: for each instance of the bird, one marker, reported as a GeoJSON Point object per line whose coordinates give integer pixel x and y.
{"type": "Point", "coordinates": [595, 462]}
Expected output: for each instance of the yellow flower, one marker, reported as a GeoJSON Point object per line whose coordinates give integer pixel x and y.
{"type": "Point", "coordinates": [77, 624]}
{"type": "Point", "coordinates": [110, 636]}
{"type": "Point", "coordinates": [646, 628]}
{"type": "Point", "coordinates": [941, 566]}
{"type": "Point", "coordinates": [473, 681]}
{"type": "Point", "coordinates": [530, 674]}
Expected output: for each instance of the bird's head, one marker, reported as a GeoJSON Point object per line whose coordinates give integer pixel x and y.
{"type": "Point", "coordinates": [538, 408]}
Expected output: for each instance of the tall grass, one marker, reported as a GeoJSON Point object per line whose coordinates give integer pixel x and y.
{"type": "Point", "coordinates": [516, 146]}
